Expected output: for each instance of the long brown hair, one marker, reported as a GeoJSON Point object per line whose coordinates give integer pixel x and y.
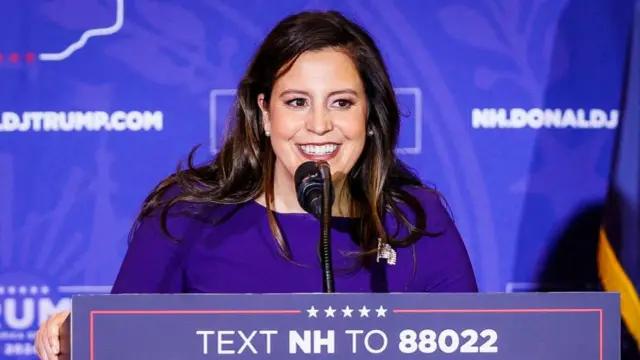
{"type": "Point", "coordinates": [243, 168]}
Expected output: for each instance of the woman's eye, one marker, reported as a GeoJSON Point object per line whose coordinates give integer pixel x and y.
{"type": "Point", "coordinates": [344, 103]}
{"type": "Point", "coordinates": [298, 102]}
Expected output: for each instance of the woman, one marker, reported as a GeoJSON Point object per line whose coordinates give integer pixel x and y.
{"type": "Point", "coordinates": [317, 89]}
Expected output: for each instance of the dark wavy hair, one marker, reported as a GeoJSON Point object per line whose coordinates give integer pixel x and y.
{"type": "Point", "coordinates": [244, 167]}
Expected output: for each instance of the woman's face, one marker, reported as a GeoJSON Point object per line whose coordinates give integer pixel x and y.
{"type": "Point", "coordinates": [317, 111]}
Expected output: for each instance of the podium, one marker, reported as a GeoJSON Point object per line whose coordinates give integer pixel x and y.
{"type": "Point", "coordinates": [496, 326]}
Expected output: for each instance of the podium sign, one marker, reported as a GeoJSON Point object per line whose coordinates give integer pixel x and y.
{"type": "Point", "coordinates": [553, 326]}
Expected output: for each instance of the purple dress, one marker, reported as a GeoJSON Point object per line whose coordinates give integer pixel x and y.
{"type": "Point", "coordinates": [239, 255]}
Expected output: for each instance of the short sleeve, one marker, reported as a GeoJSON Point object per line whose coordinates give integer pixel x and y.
{"type": "Point", "coordinates": [154, 262]}
{"type": "Point", "coordinates": [443, 259]}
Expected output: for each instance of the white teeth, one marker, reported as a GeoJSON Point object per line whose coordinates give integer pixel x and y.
{"type": "Point", "coordinates": [319, 149]}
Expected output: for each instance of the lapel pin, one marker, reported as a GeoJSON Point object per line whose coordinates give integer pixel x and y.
{"type": "Point", "coordinates": [385, 251]}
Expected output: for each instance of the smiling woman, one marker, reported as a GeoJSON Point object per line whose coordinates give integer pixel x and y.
{"type": "Point", "coordinates": [318, 111]}
{"type": "Point", "coordinates": [316, 89]}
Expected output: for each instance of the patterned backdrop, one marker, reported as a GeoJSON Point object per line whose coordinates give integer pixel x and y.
{"type": "Point", "coordinates": [511, 110]}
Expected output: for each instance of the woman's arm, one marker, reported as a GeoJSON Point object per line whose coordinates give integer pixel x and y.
{"type": "Point", "coordinates": [155, 262]}
{"type": "Point", "coordinates": [443, 260]}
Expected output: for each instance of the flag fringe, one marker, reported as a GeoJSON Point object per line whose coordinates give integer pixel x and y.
{"type": "Point", "coordinates": [615, 279]}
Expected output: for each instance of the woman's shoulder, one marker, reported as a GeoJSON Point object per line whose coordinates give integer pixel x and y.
{"type": "Point", "coordinates": [432, 202]}
{"type": "Point", "coordinates": [172, 210]}
{"type": "Point", "coordinates": [428, 196]}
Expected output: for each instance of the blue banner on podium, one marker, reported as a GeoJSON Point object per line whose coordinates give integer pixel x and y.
{"type": "Point", "coordinates": [554, 326]}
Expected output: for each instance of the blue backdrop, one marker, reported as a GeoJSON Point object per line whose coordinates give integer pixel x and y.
{"type": "Point", "coordinates": [511, 110]}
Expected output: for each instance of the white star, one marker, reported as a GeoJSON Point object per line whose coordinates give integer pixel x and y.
{"type": "Point", "coordinates": [346, 312]}
{"type": "Point", "coordinates": [313, 312]}
{"type": "Point", "coordinates": [364, 312]}
{"type": "Point", "coordinates": [381, 311]}
{"type": "Point", "coordinates": [330, 312]}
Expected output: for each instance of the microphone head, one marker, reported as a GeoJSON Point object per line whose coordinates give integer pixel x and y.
{"type": "Point", "coordinates": [308, 180]}
{"type": "Point", "coordinates": [305, 171]}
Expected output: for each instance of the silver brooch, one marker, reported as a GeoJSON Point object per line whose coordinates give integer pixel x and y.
{"type": "Point", "coordinates": [385, 251]}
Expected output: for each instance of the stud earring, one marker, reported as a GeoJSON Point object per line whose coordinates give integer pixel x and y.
{"type": "Point", "coordinates": [267, 133]}
{"type": "Point", "coordinates": [370, 132]}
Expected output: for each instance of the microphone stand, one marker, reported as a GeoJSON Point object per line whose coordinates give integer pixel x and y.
{"type": "Point", "coordinates": [325, 229]}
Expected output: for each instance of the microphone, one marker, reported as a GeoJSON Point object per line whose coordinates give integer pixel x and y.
{"type": "Point", "coordinates": [309, 187]}
{"type": "Point", "coordinates": [314, 190]}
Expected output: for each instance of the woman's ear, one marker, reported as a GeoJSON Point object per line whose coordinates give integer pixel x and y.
{"type": "Point", "coordinates": [266, 123]}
